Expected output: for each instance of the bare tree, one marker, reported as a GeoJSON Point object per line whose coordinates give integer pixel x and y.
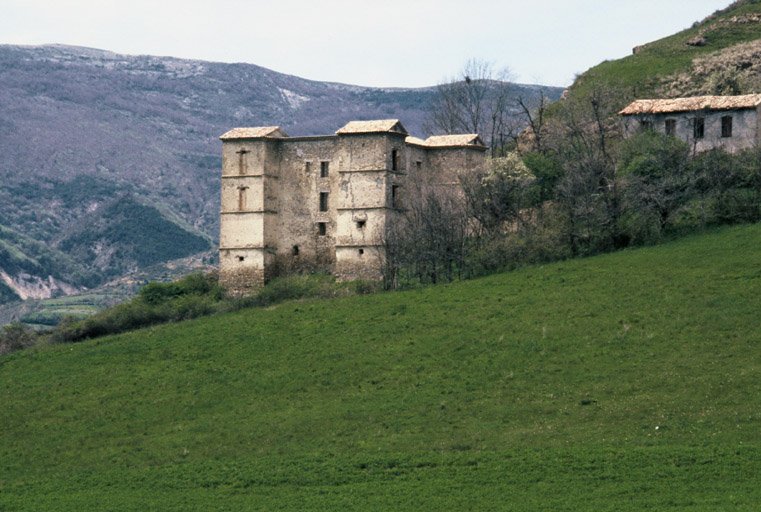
{"type": "Point", "coordinates": [535, 118]}
{"type": "Point", "coordinates": [475, 101]}
{"type": "Point", "coordinates": [427, 241]}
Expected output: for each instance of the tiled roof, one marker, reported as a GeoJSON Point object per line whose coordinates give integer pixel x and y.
{"type": "Point", "coordinates": [414, 140]}
{"type": "Point", "coordinates": [666, 106]}
{"type": "Point", "coordinates": [254, 133]}
{"type": "Point", "coordinates": [467, 139]}
{"type": "Point", "coordinates": [385, 125]}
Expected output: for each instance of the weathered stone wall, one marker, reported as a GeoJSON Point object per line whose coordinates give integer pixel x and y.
{"type": "Point", "coordinates": [300, 246]}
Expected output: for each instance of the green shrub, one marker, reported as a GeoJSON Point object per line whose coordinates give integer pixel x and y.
{"type": "Point", "coordinates": [16, 337]}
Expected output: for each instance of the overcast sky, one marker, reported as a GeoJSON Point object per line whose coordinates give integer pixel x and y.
{"type": "Point", "coordinates": [387, 43]}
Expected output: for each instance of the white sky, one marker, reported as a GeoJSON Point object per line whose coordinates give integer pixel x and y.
{"type": "Point", "coordinates": [385, 43]}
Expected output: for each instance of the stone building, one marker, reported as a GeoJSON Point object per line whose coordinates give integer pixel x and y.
{"type": "Point", "coordinates": [300, 204]}
{"type": "Point", "coordinates": [704, 122]}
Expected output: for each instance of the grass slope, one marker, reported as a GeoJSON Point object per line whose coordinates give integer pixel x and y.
{"type": "Point", "coordinates": [642, 73]}
{"type": "Point", "coordinates": [620, 382]}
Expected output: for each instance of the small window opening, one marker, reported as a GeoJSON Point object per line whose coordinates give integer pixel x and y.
{"type": "Point", "coordinates": [646, 124]}
{"type": "Point", "coordinates": [324, 169]}
{"type": "Point", "coordinates": [394, 157]}
{"type": "Point", "coordinates": [242, 198]}
{"type": "Point", "coordinates": [242, 161]}
{"type": "Point", "coordinates": [307, 167]}
{"type": "Point", "coordinates": [699, 127]}
{"type": "Point", "coordinates": [322, 228]}
{"type": "Point", "coordinates": [726, 126]}
{"type": "Point", "coordinates": [241, 258]}
{"type": "Point", "coordinates": [394, 196]}
{"type": "Point", "coordinates": [361, 252]}
{"type": "Point", "coordinates": [361, 224]}
{"type": "Point", "coordinates": [670, 126]}
{"type": "Point", "coordinates": [323, 201]}
{"type": "Point", "coordinates": [295, 250]}
{"type": "Point", "coordinates": [419, 165]}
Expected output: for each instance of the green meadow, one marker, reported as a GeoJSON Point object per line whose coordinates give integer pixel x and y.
{"type": "Point", "coordinates": [625, 381]}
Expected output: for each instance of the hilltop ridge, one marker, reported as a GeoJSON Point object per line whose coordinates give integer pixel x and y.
{"type": "Point", "coordinates": [720, 54]}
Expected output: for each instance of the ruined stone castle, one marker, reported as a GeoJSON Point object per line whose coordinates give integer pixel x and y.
{"type": "Point", "coordinates": [300, 204]}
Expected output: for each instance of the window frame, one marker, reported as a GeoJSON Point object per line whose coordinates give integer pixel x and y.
{"type": "Point", "coordinates": [726, 127]}
{"type": "Point", "coordinates": [699, 128]}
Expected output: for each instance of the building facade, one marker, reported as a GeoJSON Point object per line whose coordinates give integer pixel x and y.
{"type": "Point", "coordinates": [302, 204]}
{"type": "Point", "coordinates": [704, 122]}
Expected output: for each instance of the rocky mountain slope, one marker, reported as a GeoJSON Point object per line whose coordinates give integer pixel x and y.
{"type": "Point", "coordinates": [110, 163]}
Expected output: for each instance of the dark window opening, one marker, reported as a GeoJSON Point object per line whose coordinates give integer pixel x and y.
{"type": "Point", "coordinates": [361, 224]}
{"type": "Point", "coordinates": [295, 250]}
{"type": "Point", "coordinates": [394, 196]}
{"type": "Point", "coordinates": [324, 169]}
{"type": "Point", "coordinates": [699, 127]}
{"type": "Point", "coordinates": [670, 126]}
{"type": "Point", "coordinates": [242, 198]}
{"type": "Point", "coordinates": [322, 228]}
{"type": "Point", "coordinates": [323, 201]}
{"type": "Point", "coordinates": [307, 167]}
{"type": "Point", "coordinates": [242, 161]}
{"type": "Point", "coordinates": [646, 124]}
{"type": "Point", "coordinates": [419, 165]}
{"type": "Point", "coordinates": [241, 258]}
{"type": "Point", "coordinates": [726, 126]}
{"type": "Point", "coordinates": [394, 157]}
{"type": "Point", "coordinates": [361, 252]}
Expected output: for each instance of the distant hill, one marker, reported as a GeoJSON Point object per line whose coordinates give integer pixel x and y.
{"type": "Point", "coordinates": [718, 55]}
{"type": "Point", "coordinates": [628, 381]}
{"type": "Point", "coordinates": [82, 129]}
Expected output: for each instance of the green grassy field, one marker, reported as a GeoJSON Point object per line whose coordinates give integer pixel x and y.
{"type": "Point", "coordinates": [627, 381]}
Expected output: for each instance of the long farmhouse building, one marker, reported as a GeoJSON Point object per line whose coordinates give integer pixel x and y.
{"type": "Point", "coordinates": [704, 122]}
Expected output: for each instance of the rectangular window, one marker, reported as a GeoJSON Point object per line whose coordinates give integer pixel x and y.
{"type": "Point", "coordinates": [670, 126]}
{"type": "Point", "coordinates": [324, 169]}
{"type": "Point", "coordinates": [242, 161]}
{"type": "Point", "coordinates": [726, 126]}
{"type": "Point", "coordinates": [323, 201]}
{"type": "Point", "coordinates": [646, 124]}
{"type": "Point", "coordinates": [307, 167]}
{"type": "Point", "coordinates": [322, 228]}
{"type": "Point", "coordinates": [242, 199]}
{"type": "Point", "coordinates": [394, 196]}
{"type": "Point", "coordinates": [699, 127]}
{"type": "Point", "coordinates": [394, 158]}
{"type": "Point", "coordinates": [419, 165]}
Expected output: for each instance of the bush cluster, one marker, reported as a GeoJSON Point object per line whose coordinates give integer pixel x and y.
{"type": "Point", "coordinates": [193, 296]}
{"type": "Point", "coordinates": [584, 191]}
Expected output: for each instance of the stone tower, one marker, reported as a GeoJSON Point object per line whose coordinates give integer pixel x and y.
{"type": "Point", "coordinates": [248, 220]}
